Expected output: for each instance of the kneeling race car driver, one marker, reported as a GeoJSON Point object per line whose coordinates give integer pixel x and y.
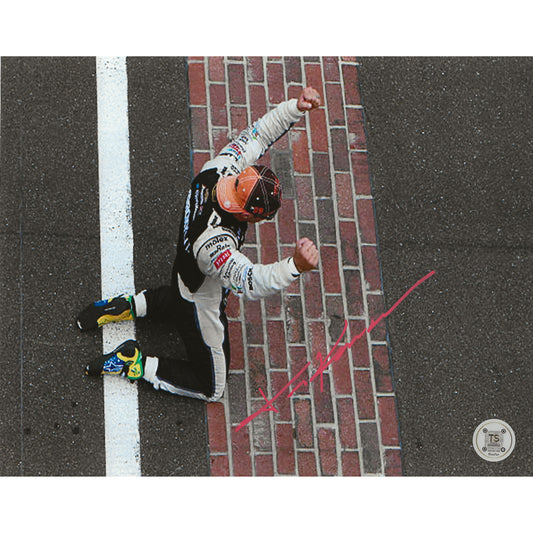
{"type": "Point", "coordinates": [230, 192]}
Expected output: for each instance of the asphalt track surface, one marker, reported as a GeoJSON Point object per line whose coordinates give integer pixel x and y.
{"type": "Point", "coordinates": [52, 421]}
{"type": "Point", "coordinates": [449, 145]}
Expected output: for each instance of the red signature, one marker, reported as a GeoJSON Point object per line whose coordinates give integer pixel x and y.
{"type": "Point", "coordinates": [333, 356]}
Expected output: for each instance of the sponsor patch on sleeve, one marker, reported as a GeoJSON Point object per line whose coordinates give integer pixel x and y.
{"type": "Point", "coordinates": [222, 258]}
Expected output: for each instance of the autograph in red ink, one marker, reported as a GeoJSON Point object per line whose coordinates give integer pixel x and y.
{"type": "Point", "coordinates": [333, 356]}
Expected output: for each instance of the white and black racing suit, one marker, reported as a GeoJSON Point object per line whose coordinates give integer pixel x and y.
{"type": "Point", "coordinates": [209, 264]}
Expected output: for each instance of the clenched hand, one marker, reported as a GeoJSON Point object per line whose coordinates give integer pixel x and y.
{"type": "Point", "coordinates": [305, 255]}
{"type": "Point", "coordinates": [309, 99]}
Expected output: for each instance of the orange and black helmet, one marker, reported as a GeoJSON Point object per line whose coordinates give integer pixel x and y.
{"type": "Point", "coordinates": [256, 190]}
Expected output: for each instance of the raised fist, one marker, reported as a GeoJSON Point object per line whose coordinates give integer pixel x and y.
{"type": "Point", "coordinates": [305, 255]}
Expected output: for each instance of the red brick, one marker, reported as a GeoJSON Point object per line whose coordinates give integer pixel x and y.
{"type": "Point", "coordinates": [239, 119]}
{"type": "Point", "coordinates": [293, 69]}
{"type": "Point", "coordinates": [269, 242]}
{"type": "Point", "coordinates": [219, 465]}
{"type": "Point", "coordinates": [273, 306]}
{"type": "Point", "coordinates": [393, 463]}
{"type": "Point", "coordinates": [251, 235]}
{"type": "Point", "coordinates": [371, 267]}
{"type": "Point", "coordinates": [197, 93]}
{"type": "Point", "coordinates": [277, 348]}
{"type": "Point", "coordinates": [344, 195]}
{"type": "Point", "coordinates": [297, 361]}
{"type": "Point", "coordinates": [199, 160]}
{"type": "Point", "coordinates": [335, 104]}
{"type": "Point", "coordinates": [216, 423]}
{"type": "Point", "coordinates": [347, 426]}
{"type": "Point", "coordinates": [359, 348]}
{"type": "Point", "coordinates": [313, 76]}
{"type": "Point", "coordinates": [313, 295]}
{"type": "Point", "coordinates": [304, 423]}
{"type": "Point", "coordinates": [350, 464]}
{"type": "Point", "coordinates": [329, 258]}
{"type": "Point", "coordinates": [258, 105]}
{"type": "Point", "coordinates": [354, 295]}
{"type": "Point", "coordinates": [331, 69]}
{"type": "Point", "coordinates": [364, 394]}
{"type": "Point", "coordinates": [323, 403]}
{"type": "Point", "coordinates": [328, 455]}
{"type": "Point", "coordinates": [319, 130]}
{"type": "Point", "coordinates": [306, 464]}
{"type": "Point", "coordinates": [300, 151]}
{"type": "Point", "coordinates": [348, 237]}
{"type": "Point", "coordinates": [389, 421]}
{"type": "Point", "coordinates": [286, 222]}
{"type": "Point", "coordinates": [237, 347]}
{"type": "Point", "coordinates": [254, 321]}
{"type": "Point", "coordinates": [255, 69]}
{"type": "Point", "coordinates": [322, 174]}
{"type": "Point", "coordinates": [356, 129]}
{"type": "Point", "coordinates": [237, 90]}
{"type": "Point", "coordinates": [375, 304]}
{"type": "Point", "coordinates": [285, 449]}
{"type": "Point", "coordinates": [351, 87]}
{"type": "Point", "coordinates": [361, 173]}
{"type": "Point", "coordinates": [250, 250]}
{"type": "Point", "coordinates": [264, 465]}
{"type": "Point", "coordinates": [200, 137]}
{"type": "Point", "coordinates": [304, 189]}
{"type": "Point", "coordinates": [341, 160]}
{"type": "Point", "coordinates": [367, 225]}
{"type": "Point", "coordinates": [276, 86]}
{"type": "Point", "coordinates": [282, 404]}
{"type": "Point", "coordinates": [342, 374]}
{"type": "Point", "coordinates": [242, 461]}
{"type": "Point", "coordinates": [382, 371]}
{"type": "Point", "coordinates": [216, 69]}
{"type": "Point", "coordinates": [219, 116]}
{"type": "Point", "coordinates": [257, 371]}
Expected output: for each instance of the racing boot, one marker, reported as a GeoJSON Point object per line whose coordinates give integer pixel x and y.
{"type": "Point", "coordinates": [125, 360]}
{"type": "Point", "coordinates": [106, 311]}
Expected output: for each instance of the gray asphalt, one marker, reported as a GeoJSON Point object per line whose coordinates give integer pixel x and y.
{"type": "Point", "coordinates": [450, 145]}
{"type": "Point", "coordinates": [51, 416]}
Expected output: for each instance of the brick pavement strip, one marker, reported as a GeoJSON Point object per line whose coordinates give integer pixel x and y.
{"type": "Point", "coordinates": [344, 423]}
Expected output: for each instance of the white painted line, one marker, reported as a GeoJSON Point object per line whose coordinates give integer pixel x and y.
{"type": "Point", "coordinates": [122, 439]}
